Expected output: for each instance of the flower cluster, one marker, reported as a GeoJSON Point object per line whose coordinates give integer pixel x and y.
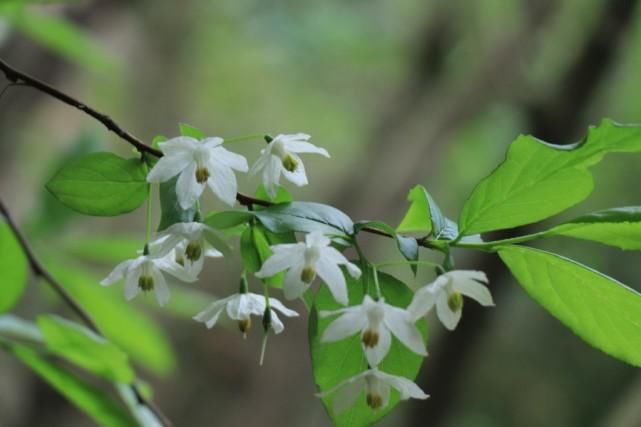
{"type": "Point", "coordinates": [179, 251]}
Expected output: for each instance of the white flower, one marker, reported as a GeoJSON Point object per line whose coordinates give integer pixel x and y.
{"type": "Point", "coordinates": [190, 243]}
{"type": "Point", "coordinates": [304, 261]}
{"type": "Point", "coordinates": [446, 293]}
{"type": "Point", "coordinates": [280, 157]}
{"type": "Point", "coordinates": [144, 273]}
{"type": "Point", "coordinates": [376, 385]}
{"type": "Point", "coordinates": [240, 307]}
{"type": "Point", "coordinates": [198, 163]}
{"type": "Point", "coordinates": [376, 321]}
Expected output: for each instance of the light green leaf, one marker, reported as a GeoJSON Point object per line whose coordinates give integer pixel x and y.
{"type": "Point", "coordinates": [282, 195]}
{"type": "Point", "coordinates": [170, 210]}
{"type": "Point", "coordinates": [101, 184]}
{"type": "Point", "coordinates": [305, 217]}
{"type": "Point", "coordinates": [94, 402]}
{"type": "Point", "coordinates": [108, 249]}
{"type": "Point", "coordinates": [602, 311]}
{"type": "Point", "coordinates": [84, 348]}
{"type": "Point", "coordinates": [418, 218]}
{"type": "Point", "coordinates": [255, 249]}
{"type": "Point", "coordinates": [188, 130]}
{"type": "Point", "coordinates": [538, 180]}
{"type": "Point", "coordinates": [13, 269]}
{"type": "Point", "coordinates": [335, 362]}
{"type": "Point", "coordinates": [227, 219]}
{"type": "Point", "coordinates": [619, 227]}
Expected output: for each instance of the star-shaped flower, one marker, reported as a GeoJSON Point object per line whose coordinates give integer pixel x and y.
{"type": "Point", "coordinates": [376, 385]}
{"type": "Point", "coordinates": [198, 163]}
{"type": "Point", "coordinates": [376, 321]}
{"type": "Point", "coordinates": [446, 293]}
{"type": "Point", "coordinates": [280, 157]}
{"type": "Point", "coordinates": [191, 242]}
{"type": "Point", "coordinates": [304, 260]}
{"type": "Point", "coordinates": [240, 307]}
{"type": "Point", "coordinates": [144, 273]}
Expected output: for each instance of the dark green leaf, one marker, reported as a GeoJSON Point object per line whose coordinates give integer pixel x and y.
{"type": "Point", "coordinates": [337, 361]}
{"type": "Point", "coordinates": [84, 348]}
{"type": "Point", "coordinates": [171, 211]}
{"type": "Point", "coordinates": [602, 311]}
{"type": "Point", "coordinates": [13, 269]}
{"type": "Point", "coordinates": [94, 402]}
{"type": "Point", "coordinates": [538, 180]}
{"type": "Point", "coordinates": [101, 184]}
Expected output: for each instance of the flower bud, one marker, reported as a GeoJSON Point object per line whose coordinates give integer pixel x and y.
{"type": "Point", "coordinates": [145, 282]}
{"type": "Point", "coordinates": [308, 275]}
{"type": "Point", "coordinates": [455, 301]}
{"type": "Point", "coordinates": [194, 251]}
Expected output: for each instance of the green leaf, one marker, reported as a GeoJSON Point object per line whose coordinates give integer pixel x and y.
{"type": "Point", "coordinates": [335, 362]}
{"type": "Point", "coordinates": [619, 227]}
{"type": "Point", "coordinates": [190, 131]}
{"type": "Point", "coordinates": [418, 218]}
{"type": "Point", "coordinates": [60, 36]}
{"type": "Point", "coordinates": [305, 217]}
{"type": "Point", "coordinates": [408, 246]}
{"type": "Point", "coordinates": [84, 348]}
{"type": "Point", "coordinates": [94, 402]}
{"type": "Point", "coordinates": [227, 219]}
{"type": "Point", "coordinates": [101, 184]}
{"type": "Point", "coordinates": [282, 195]}
{"type": "Point", "coordinates": [170, 210]}
{"type": "Point", "coordinates": [13, 269]}
{"type": "Point", "coordinates": [121, 323]}
{"type": "Point", "coordinates": [254, 250]}
{"type": "Point", "coordinates": [602, 311]}
{"type": "Point", "coordinates": [538, 180]}
{"type": "Point", "coordinates": [107, 249]}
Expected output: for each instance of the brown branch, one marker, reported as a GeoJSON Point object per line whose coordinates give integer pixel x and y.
{"type": "Point", "coordinates": [40, 271]}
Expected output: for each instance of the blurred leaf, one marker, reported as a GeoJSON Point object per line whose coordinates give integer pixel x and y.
{"type": "Point", "coordinates": [59, 35]}
{"type": "Point", "coordinates": [602, 311]}
{"type": "Point", "coordinates": [190, 131]}
{"type": "Point", "coordinates": [94, 402]}
{"type": "Point", "coordinates": [305, 217]}
{"type": "Point", "coordinates": [171, 212]}
{"type": "Point", "coordinates": [106, 249]}
{"type": "Point", "coordinates": [101, 184]}
{"type": "Point", "coordinates": [408, 246]}
{"type": "Point", "coordinates": [84, 348]}
{"type": "Point", "coordinates": [13, 269]}
{"type": "Point", "coordinates": [16, 327]}
{"type": "Point", "coordinates": [141, 412]}
{"type": "Point", "coordinates": [121, 322]}
{"type": "Point", "coordinates": [282, 195]}
{"type": "Point", "coordinates": [335, 362]}
{"type": "Point", "coordinates": [538, 180]}
{"type": "Point", "coordinates": [619, 227]}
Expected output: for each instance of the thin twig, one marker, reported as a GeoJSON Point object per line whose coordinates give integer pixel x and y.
{"type": "Point", "coordinates": [40, 271]}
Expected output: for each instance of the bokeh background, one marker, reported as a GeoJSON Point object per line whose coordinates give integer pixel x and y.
{"type": "Point", "coordinates": [400, 93]}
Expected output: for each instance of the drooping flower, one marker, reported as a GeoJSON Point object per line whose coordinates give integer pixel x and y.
{"type": "Point", "coordinates": [198, 163]}
{"type": "Point", "coordinates": [446, 293]}
{"type": "Point", "coordinates": [281, 157]}
{"type": "Point", "coordinates": [376, 385]}
{"type": "Point", "coordinates": [304, 260]}
{"type": "Point", "coordinates": [240, 307]}
{"type": "Point", "coordinates": [191, 242]}
{"type": "Point", "coordinates": [145, 273]}
{"type": "Point", "coordinates": [377, 322]}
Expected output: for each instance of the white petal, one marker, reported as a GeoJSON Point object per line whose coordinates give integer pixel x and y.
{"type": "Point", "coordinates": [406, 388]}
{"type": "Point", "coordinates": [277, 305]}
{"type": "Point", "coordinates": [398, 322]}
{"type": "Point", "coordinates": [298, 177]}
{"type": "Point", "coordinates": [222, 182]}
{"type": "Point", "coordinates": [293, 286]}
{"type": "Point", "coordinates": [211, 314]}
{"type": "Point", "coordinates": [353, 270]}
{"type": "Point", "coordinates": [448, 318]}
{"type": "Point", "coordinates": [345, 326]}
{"type": "Point", "coordinates": [244, 305]}
{"type": "Point", "coordinates": [333, 278]}
{"type": "Point", "coordinates": [212, 142]}
{"type": "Point", "coordinates": [456, 275]}
{"type": "Point", "coordinates": [304, 147]}
{"type": "Point", "coordinates": [188, 190]}
{"type": "Point", "coordinates": [131, 284]}
{"type": "Point", "coordinates": [281, 259]}
{"type": "Point", "coordinates": [293, 137]}
{"type": "Point", "coordinates": [377, 353]}
{"type": "Point", "coordinates": [160, 287]}
{"type": "Point", "coordinates": [474, 290]}
{"type": "Point", "coordinates": [260, 163]}
{"type": "Point", "coordinates": [276, 325]}
{"type": "Point", "coordinates": [232, 160]}
{"type": "Point", "coordinates": [317, 238]}
{"type": "Point", "coordinates": [168, 167]}
{"type": "Point", "coordinates": [271, 175]}
{"type": "Point", "coordinates": [422, 302]}
{"type": "Point", "coordinates": [117, 273]}
{"type": "Point", "coordinates": [169, 265]}
{"type": "Point", "coordinates": [178, 145]}
{"type": "Point", "coordinates": [346, 392]}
